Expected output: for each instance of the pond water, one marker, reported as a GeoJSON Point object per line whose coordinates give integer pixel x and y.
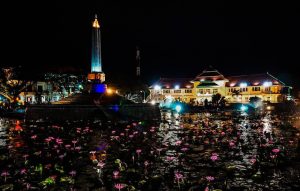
{"type": "Point", "coordinates": [199, 151]}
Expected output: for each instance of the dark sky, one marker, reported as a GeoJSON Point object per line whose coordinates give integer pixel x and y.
{"type": "Point", "coordinates": [177, 38]}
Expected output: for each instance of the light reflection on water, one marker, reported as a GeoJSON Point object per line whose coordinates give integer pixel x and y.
{"type": "Point", "coordinates": [184, 144]}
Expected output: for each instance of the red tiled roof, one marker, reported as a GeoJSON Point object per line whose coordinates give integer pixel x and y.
{"type": "Point", "coordinates": [209, 75]}
{"type": "Point", "coordinates": [167, 83]}
{"type": "Point", "coordinates": [252, 80]}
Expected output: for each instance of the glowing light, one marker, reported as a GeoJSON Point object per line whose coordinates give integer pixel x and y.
{"type": "Point", "coordinates": [202, 80]}
{"type": "Point", "coordinates": [109, 91]}
{"type": "Point", "coordinates": [99, 88]}
{"type": "Point", "coordinates": [178, 108]}
{"type": "Point", "coordinates": [176, 87]}
{"type": "Point", "coordinates": [96, 23]}
{"type": "Point", "coordinates": [157, 87]}
{"type": "Point", "coordinates": [232, 84]}
{"type": "Point", "coordinates": [243, 85]}
{"type": "Point", "coordinates": [153, 102]}
{"type": "Point", "coordinates": [188, 86]}
{"type": "Point", "coordinates": [244, 108]}
{"type": "Point", "coordinates": [268, 107]}
{"type": "Point", "coordinates": [267, 84]}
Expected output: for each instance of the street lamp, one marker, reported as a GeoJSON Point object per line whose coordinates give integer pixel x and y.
{"type": "Point", "coordinates": [144, 96]}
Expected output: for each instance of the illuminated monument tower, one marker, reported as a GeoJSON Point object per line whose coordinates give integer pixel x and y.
{"type": "Point", "coordinates": [96, 75]}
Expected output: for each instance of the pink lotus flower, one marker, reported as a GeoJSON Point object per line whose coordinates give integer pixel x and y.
{"type": "Point", "coordinates": [138, 151]}
{"type": "Point", "coordinates": [5, 174]}
{"type": "Point", "coordinates": [178, 176]}
{"type": "Point", "coordinates": [131, 136]}
{"type": "Point", "coordinates": [74, 142]}
{"type": "Point", "coordinates": [214, 157]}
{"type": "Point", "coordinates": [61, 156]}
{"type": "Point", "coordinates": [178, 143]}
{"type": "Point", "coordinates": [209, 178]}
{"type": "Point", "coordinates": [231, 144]}
{"type": "Point", "coordinates": [116, 173]}
{"type": "Point", "coordinates": [77, 148]}
{"type": "Point", "coordinates": [119, 186]}
{"type": "Point", "coordinates": [23, 171]}
{"type": "Point", "coordinates": [184, 149]}
{"type": "Point", "coordinates": [146, 163]}
{"type": "Point", "coordinates": [253, 161]}
{"type": "Point", "coordinates": [72, 173]}
{"type": "Point", "coordinates": [101, 164]}
{"type": "Point", "coordinates": [113, 132]}
{"type": "Point", "coordinates": [25, 157]}
{"type": "Point", "coordinates": [170, 158]}
{"type": "Point", "coordinates": [152, 130]}
{"type": "Point", "coordinates": [33, 137]}
{"type": "Point", "coordinates": [275, 151]}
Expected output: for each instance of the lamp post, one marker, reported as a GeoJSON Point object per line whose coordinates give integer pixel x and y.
{"type": "Point", "coordinates": [144, 95]}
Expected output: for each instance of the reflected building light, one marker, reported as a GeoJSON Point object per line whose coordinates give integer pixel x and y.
{"type": "Point", "coordinates": [243, 85]}
{"type": "Point", "coordinates": [157, 87]}
{"type": "Point", "coordinates": [267, 84]}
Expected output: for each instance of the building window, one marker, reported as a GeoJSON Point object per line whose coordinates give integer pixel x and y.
{"type": "Point", "coordinates": [207, 91]}
{"type": "Point", "coordinates": [166, 91]}
{"type": "Point", "coordinates": [268, 89]}
{"type": "Point", "coordinates": [201, 91]}
{"type": "Point", "coordinates": [243, 89]}
{"type": "Point", "coordinates": [255, 89]}
{"type": "Point", "coordinates": [188, 91]}
{"type": "Point", "coordinates": [215, 91]}
{"type": "Point", "coordinates": [177, 91]}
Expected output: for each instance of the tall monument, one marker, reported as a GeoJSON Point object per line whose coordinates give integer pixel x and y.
{"type": "Point", "coordinates": [96, 75]}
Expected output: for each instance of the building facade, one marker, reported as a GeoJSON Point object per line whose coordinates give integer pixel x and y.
{"type": "Point", "coordinates": [235, 89]}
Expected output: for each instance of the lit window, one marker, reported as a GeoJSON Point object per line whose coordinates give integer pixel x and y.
{"type": "Point", "coordinates": [188, 91]}
{"type": "Point", "coordinates": [166, 91]}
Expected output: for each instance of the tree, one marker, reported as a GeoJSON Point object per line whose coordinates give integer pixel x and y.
{"type": "Point", "coordinates": [11, 85]}
{"type": "Point", "coordinates": [216, 99]}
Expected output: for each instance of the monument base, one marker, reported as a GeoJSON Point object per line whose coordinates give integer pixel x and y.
{"type": "Point", "coordinates": [96, 76]}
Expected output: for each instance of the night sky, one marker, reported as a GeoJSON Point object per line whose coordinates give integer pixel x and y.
{"type": "Point", "coordinates": [177, 39]}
